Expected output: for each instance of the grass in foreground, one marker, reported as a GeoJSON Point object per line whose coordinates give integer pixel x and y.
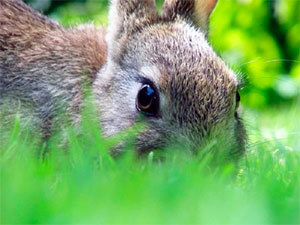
{"type": "Point", "coordinates": [86, 185]}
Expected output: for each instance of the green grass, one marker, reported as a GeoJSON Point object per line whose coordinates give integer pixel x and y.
{"type": "Point", "coordinates": [85, 185]}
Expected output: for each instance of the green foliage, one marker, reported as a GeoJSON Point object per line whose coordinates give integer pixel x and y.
{"type": "Point", "coordinates": [80, 182]}
{"type": "Point", "coordinates": [261, 40]}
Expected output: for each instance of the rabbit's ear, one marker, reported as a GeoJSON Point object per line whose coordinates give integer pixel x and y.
{"type": "Point", "coordinates": [129, 16]}
{"type": "Point", "coordinates": [196, 11]}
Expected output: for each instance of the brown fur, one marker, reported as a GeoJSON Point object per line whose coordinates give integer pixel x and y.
{"type": "Point", "coordinates": [47, 65]}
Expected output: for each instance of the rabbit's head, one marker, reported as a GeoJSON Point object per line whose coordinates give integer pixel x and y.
{"type": "Point", "coordinates": [161, 68]}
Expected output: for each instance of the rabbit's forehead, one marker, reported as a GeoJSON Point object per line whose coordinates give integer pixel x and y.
{"type": "Point", "coordinates": [179, 51]}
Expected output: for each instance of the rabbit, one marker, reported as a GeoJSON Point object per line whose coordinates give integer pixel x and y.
{"type": "Point", "coordinates": [144, 65]}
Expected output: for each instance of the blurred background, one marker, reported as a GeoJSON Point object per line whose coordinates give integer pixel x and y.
{"type": "Point", "coordinates": [259, 39]}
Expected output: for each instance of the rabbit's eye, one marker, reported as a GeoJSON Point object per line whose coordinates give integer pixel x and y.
{"type": "Point", "coordinates": [147, 100]}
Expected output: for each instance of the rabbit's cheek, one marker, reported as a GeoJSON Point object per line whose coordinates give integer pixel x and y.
{"type": "Point", "coordinates": [145, 142]}
{"type": "Point", "coordinates": [149, 140]}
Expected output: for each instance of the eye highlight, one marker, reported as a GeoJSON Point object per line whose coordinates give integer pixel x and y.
{"type": "Point", "coordinates": [147, 100]}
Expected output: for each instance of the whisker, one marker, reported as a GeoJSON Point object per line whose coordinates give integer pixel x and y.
{"type": "Point", "coordinates": [269, 61]}
{"type": "Point", "coordinates": [252, 61]}
{"type": "Point", "coordinates": [268, 140]}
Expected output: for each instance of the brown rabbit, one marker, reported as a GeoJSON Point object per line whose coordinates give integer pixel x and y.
{"type": "Point", "coordinates": [159, 66]}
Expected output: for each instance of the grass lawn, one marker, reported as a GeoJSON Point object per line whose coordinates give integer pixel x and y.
{"type": "Point", "coordinates": [86, 185]}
